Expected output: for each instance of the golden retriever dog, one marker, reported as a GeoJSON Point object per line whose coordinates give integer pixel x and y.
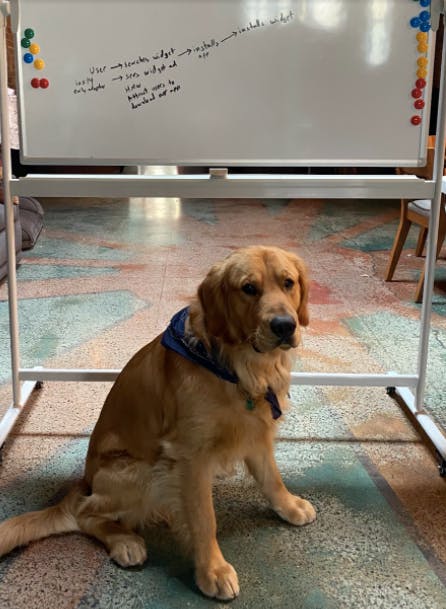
{"type": "Point", "coordinates": [203, 395]}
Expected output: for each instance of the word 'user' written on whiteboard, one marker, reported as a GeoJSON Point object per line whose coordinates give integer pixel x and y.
{"type": "Point", "coordinates": [152, 78]}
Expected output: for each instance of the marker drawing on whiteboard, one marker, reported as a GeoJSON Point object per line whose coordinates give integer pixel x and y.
{"type": "Point", "coordinates": [138, 75]}
{"type": "Point", "coordinates": [202, 50]}
{"type": "Point", "coordinates": [130, 63]}
{"type": "Point", "coordinates": [132, 75]}
{"type": "Point", "coordinates": [88, 85]}
{"type": "Point", "coordinates": [97, 69]}
{"type": "Point", "coordinates": [233, 35]}
{"type": "Point", "coordinates": [138, 97]}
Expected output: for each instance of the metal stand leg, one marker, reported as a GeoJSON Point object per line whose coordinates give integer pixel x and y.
{"type": "Point", "coordinates": [11, 415]}
{"type": "Point", "coordinates": [431, 429]}
{"type": "Point", "coordinates": [20, 393]}
{"type": "Point", "coordinates": [9, 210]}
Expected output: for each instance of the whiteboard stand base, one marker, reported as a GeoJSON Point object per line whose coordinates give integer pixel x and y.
{"type": "Point", "coordinates": [33, 378]}
{"type": "Point", "coordinates": [9, 418]}
{"type": "Point", "coordinates": [430, 428]}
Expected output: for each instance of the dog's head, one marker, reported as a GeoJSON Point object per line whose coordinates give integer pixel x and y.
{"type": "Point", "coordinates": [257, 295]}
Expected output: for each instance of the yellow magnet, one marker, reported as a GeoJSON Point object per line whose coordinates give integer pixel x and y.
{"type": "Point", "coordinates": [422, 47]}
{"type": "Point", "coordinates": [421, 73]}
{"type": "Point", "coordinates": [422, 36]}
{"type": "Point", "coordinates": [39, 64]}
{"type": "Point", "coordinates": [422, 62]}
{"type": "Point", "coordinates": [34, 48]}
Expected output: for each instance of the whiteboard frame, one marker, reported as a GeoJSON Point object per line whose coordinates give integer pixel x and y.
{"type": "Point", "coordinates": [226, 162]}
{"type": "Point", "coordinates": [232, 186]}
{"type": "Point", "coordinates": [237, 186]}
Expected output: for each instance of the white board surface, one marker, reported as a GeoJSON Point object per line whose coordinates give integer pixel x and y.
{"type": "Point", "coordinates": [222, 82]}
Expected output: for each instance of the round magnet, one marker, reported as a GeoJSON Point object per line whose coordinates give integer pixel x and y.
{"type": "Point", "coordinates": [425, 2]}
{"type": "Point", "coordinates": [35, 83]}
{"type": "Point", "coordinates": [421, 73]}
{"type": "Point", "coordinates": [416, 93]}
{"type": "Point", "coordinates": [415, 120]}
{"type": "Point", "coordinates": [425, 15]}
{"type": "Point", "coordinates": [29, 33]}
{"type": "Point", "coordinates": [34, 48]}
{"type": "Point", "coordinates": [39, 64]}
{"type": "Point", "coordinates": [422, 37]}
{"type": "Point", "coordinates": [420, 83]}
{"type": "Point", "coordinates": [28, 58]}
{"type": "Point", "coordinates": [419, 104]}
{"type": "Point", "coordinates": [425, 26]}
{"type": "Point", "coordinates": [422, 62]}
{"type": "Point", "coordinates": [415, 22]}
{"type": "Point", "coordinates": [422, 47]}
{"type": "Point", "coordinates": [25, 42]}
{"type": "Point", "coordinates": [44, 83]}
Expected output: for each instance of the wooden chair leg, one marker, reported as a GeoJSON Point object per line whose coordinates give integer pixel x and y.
{"type": "Point", "coordinates": [422, 235]}
{"type": "Point", "coordinates": [420, 286]}
{"type": "Point", "coordinates": [398, 243]}
{"type": "Point", "coordinates": [441, 238]}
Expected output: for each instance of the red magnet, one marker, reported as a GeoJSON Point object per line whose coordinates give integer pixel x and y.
{"type": "Point", "coordinates": [44, 83]}
{"type": "Point", "coordinates": [417, 93]}
{"type": "Point", "coordinates": [35, 83]}
{"type": "Point", "coordinates": [419, 104]}
{"type": "Point", "coordinates": [421, 83]}
{"type": "Point", "coordinates": [415, 120]}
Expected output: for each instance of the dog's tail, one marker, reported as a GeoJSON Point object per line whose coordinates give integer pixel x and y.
{"type": "Point", "coordinates": [60, 518]}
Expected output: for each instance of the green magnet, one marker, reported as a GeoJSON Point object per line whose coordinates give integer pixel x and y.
{"type": "Point", "coordinates": [26, 42]}
{"type": "Point", "coordinates": [29, 33]}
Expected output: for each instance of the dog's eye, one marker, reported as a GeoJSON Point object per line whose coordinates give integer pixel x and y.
{"type": "Point", "coordinates": [250, 289]}
{"type": "Point", "coordinates": [289, 283]}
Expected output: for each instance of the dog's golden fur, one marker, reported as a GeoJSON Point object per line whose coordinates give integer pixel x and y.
{"type": "Point", "coordinates": [168, 425]}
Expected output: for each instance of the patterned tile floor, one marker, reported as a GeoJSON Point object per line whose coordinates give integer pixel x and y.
{"type": "Point", "coordinates": [105, 277]}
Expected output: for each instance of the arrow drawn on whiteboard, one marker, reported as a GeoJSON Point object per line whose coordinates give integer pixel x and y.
{"type": "Point", "coordinates": [233, 35]}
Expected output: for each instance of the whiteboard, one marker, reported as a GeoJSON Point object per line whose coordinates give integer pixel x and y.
{"type": "Point", "coordinates": [221, 82]}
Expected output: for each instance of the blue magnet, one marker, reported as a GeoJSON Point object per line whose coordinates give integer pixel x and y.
{"type": "Point", "coordinates": [415, 22]}
{"type": "Point", "coordinates": [425, 2]}
{"type": "Point", "coordinates": [425, 27]}
{"type": "Point", "coordinates": [28, 58]}
{"type": "Point", "coordinates": [425, 15]}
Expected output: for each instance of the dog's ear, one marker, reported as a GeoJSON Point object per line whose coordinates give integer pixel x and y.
{"type": "Point", "coordinates": [304, 284]}
{"type": "Point", "coordinates": [212, 294]}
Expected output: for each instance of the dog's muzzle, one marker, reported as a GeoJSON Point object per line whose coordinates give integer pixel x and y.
{"type": "Point", "coordinates": [281, 334]}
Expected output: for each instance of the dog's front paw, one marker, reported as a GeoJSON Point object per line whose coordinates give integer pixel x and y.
{"type": "Point", "coordinates": [296, 511]}
{"type": "Point", "coordinates": [219, 581]}
{"type": "Point", "coordinates": [128, 550]}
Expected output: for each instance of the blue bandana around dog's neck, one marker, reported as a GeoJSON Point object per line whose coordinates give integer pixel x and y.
{"type": "Point", "coordinates": [175, 338]}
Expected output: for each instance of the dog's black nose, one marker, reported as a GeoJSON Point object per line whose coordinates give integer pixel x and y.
{"type": "Point", "coordinates": [283, 326]}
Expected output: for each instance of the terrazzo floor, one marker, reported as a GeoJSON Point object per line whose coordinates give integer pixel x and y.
{"type": "Point", "coordinates": [105, 277]}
